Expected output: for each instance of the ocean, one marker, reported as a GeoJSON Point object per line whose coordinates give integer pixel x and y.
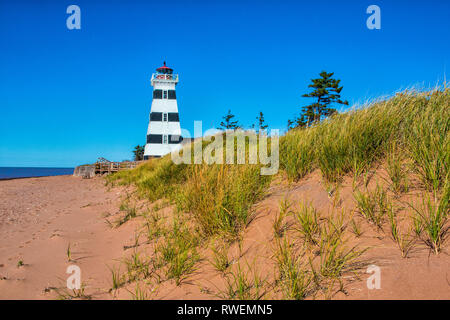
{"type": "Point", "coordinates": [27, 172]}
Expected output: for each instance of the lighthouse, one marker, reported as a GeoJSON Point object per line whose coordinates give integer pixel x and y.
{"type": "Point", "coordinates": [164, 132]}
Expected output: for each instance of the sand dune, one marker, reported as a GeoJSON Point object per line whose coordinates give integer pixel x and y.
{"type": "Point", "coordinates": [41, 217]}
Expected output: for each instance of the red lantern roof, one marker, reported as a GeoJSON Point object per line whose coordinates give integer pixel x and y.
{"type": "Point", "coordinates": [164, 68]}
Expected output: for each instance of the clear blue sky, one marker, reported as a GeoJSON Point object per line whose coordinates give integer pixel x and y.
{"type": "Point", "coordinates": [70, 96]}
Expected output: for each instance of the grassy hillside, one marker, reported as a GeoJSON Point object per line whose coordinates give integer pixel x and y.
{"type": "Point", "coordinates": [412, 124]}
{"type": "Point", "coordinates": [408, 133]}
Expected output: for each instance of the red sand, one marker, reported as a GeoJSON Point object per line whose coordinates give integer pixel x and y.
{"type": "Point", "coordinates": [40, 217]}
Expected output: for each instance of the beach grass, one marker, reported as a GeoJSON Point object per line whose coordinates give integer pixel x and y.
{"type": "Point", "coordinates": [354, 140]}
{"type": "Point", "coordinates": [407, 134]}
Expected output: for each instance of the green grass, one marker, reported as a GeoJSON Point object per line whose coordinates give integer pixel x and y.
{"type": "Point", "coordinates": [308, 223]}
{"type": "Point", "coordinates": [154, 226]}
{"type": "Point", "coordinates": [297, 154]}
{"type": "Point", "coordinates": [396, 170]}
{"type": "Point", "coordinates": [405, 241]}
{"type": "Point", "coordinates": [408, 133]}
{"type": "Point", "coordinates": [177, 253]}
{"type": "Point", "coordinates": [69, 253]}
{"type": "Point", "coordinates": [220, 257]}
{"type": "Point", "coordinates": [219, 197]}
{"type": "Point", "coordinates": [304, 271]}
{"type": "Point", "coordinates": [373, 205]}
{"type": "Point", "coordinates": [130, 213]}
{"type": "Point", "coordinates": [295, 279]}
{"type": "Point", "coordinates": [279, 225]}
{"type": "Point", "coordinates": [428, 139]}
{"type": "Point", "coordinates": [335, 257]}
{"type": "Point", "coordinates": [118, 279]}
{"type": "Point", "coordinates": [353, 141]}
{"type": "Point", "coordinates": [66, 294]}
{"type": "Point", "coordinates": [431, 219]}
{"type": "Point", "coordinates": [243, 284]}
{"type": "Point", "coordinates": [137, 267]}
{"type": "Point", "coordinates": [142, 293]}
{"type": "Point", "coordinates": [356, 228]}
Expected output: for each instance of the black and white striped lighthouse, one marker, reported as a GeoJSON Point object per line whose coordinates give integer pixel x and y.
{"type": "Point", "coordinates": [164, 132]}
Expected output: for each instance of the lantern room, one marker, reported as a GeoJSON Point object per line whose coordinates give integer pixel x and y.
{"type": "Point", "coordinates": [164, 74]}
{"type": "Point", "coordinates": [164, 69]}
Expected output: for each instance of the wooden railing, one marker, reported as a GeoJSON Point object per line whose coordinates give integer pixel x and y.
{"type": "Point", "coordinates": [102, 167]}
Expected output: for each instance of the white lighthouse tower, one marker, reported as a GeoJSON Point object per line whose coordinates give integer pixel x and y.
{"type": "Point", "coordinates": [164, 133]}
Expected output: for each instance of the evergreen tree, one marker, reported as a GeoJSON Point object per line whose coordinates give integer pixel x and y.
{"type": "Point", "coordinates": [138, 153]}
{"type": "Point", "coordinates": [298, 122]}
{"type": "Point", "coordinates": [289, 124]}
{"type": "Point", "coordinates": [326, 92]}
{"type": "Point", "coordinates": [228, 122]}
{"type": "Point", "coordinates": [261, 122]}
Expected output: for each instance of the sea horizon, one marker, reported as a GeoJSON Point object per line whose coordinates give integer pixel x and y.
{"type": "Point", "coordinates": [33, 172]}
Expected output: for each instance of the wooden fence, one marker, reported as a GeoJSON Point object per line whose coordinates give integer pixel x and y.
{"type": "Point", "coordinates": [103, 166]}
{"type": "Point", "coordinates": [109, 167]}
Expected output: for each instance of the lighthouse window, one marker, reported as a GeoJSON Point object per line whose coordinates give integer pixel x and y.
{"type": "Point", "coordinates": [164, 94]}
{"type": "Point", "coordinates": [165, 117]}
{"type": "Point", "coordinates": [165, 138]}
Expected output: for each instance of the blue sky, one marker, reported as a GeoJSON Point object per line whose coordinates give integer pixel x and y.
{"type": "Point", "coordinates": [70, 96]}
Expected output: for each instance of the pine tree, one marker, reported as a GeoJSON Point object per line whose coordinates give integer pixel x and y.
{"type": "Point", "coordinates": [289, 124]}
{"type": "Point", "coordinates": [228, 122]}
{"type": "Point", "coordinates": [326, 91]}
{"type": "Point", "coordinates": [298, 122]}
{"type": "Point", "coordinates": [261, 122]}
{"type": "Point", "coordinates": [138, 153]}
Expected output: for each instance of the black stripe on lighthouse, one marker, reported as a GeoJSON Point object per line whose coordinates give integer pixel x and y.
{"type": "Point", "coordinates": [175, 139]}
{"type": "Point", "coordinates": [157, 138]}
{"type": "Point", "coordinates": [172, 95]}
{"type": "Point", "coordinates": [171, 116]}
{"type": "Point", "coordinates": [158, 94]}
{"type": "Point", "coordinates": [156, 116]}
{"type": "Point", "coordinates": [154, 138]}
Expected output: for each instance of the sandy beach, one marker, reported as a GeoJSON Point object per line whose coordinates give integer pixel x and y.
{"type": "Point", "coordinates": [41, 217]}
